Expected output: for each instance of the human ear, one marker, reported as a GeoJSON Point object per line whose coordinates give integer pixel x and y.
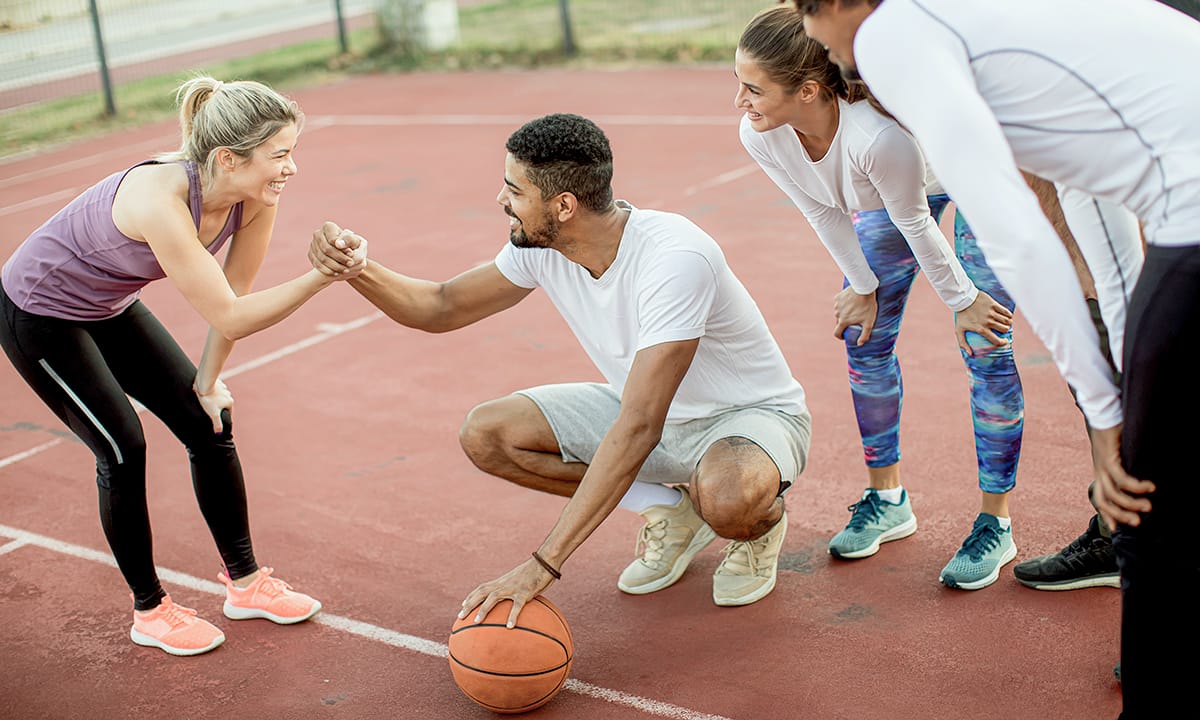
{"type": "Point", "coordinates": [565, 206]}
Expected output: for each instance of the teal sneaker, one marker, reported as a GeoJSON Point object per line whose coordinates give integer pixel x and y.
{"type": "Point", "coordinates": [977, 563]}
{"type": "Point", "coordinates": [873, 520]}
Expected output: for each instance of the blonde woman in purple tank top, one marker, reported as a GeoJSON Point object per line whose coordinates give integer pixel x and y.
{"type": "Point", "coordinates": [76, 332]}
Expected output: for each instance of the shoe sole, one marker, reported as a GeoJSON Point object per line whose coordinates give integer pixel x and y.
{"type": "Point", "coordinates": [951, 582]}
{"type": "Point", "coordinates": [233, 612]}
{"type": "Point", "coordinates": [702, 539]}
{"type": "Point", "coordinates": [760, 593]}
{"type": "Point", "coordinates": [899, 532]}
{"type": "Point", "coordinates": [144, 640]}
{"type": "Point", "coordinates": [1112, 581]}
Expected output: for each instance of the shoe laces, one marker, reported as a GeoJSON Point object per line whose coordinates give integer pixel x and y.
{"type": "Point", "coordinates": [175, 615]}
{"type": "Point", "coordinates": [650, 540]}
{"type": "Point", "coordinates": [982, 539]}
{"type": "Point", "coordinates": [865, 511]}
{"type": "Point", "coordinates": [1082, 545]}
{"type": "Point", "coordinates": [269, 586]}
{"type": "Point", "coordinates": [742, 552]}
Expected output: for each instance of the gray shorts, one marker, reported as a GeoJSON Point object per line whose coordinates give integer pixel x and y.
{"type": "Point", "coordinates": [580, 415]}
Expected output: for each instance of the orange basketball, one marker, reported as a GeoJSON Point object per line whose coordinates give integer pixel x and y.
{"type": "Point", "coordinates": [512, 670]}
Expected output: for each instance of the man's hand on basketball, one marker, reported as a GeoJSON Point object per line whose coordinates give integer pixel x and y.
{"type": "Point", "coordinates": [521, 584]}
{"type": "Point", "coordinates": [850, 308]}
{"type": "Point", "coordinates": [1119, 496]}
{"type": "Point", "coordinates": [338, 253]}
{"type": "Point", "coordinates": [984, 317]}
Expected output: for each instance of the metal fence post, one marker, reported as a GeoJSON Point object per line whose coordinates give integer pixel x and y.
{"type": "Point", "coordinates": [341, 26]}
{"type": "Point", "coordinates": [110, 107]}
{"type": "Point", "coordinates": [564, 12]}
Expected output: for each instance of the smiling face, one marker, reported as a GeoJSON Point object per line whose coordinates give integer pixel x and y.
{"type": "Point", "coordinates": [767, 104]}
{"type": "Point", "coordinates": [264, 173]}
{"type": "Point", "coordinates": [531, 223]}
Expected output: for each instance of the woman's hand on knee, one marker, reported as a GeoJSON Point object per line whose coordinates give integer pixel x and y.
{"type": "Point", "coordinates": [214, 401]}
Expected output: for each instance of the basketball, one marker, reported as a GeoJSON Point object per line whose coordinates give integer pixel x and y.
{"type": "Point", "coordinates": [512, 670]}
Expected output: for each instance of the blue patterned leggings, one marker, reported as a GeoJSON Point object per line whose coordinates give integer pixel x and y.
{"type": "Point", "coordinates": [997, 403]}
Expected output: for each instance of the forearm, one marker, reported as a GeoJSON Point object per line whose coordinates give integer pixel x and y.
{"type": "Point", "coordinates": [1047, 196]}
{"type": "Point", "coordinates": [941, 267]}
{"type": "Point", "coordinates": [844, 247]}
{"type": "Point", "coordinates": [248, 314]}
{"type": "Point", "coordinates": [212, 361]}
{"type": "Point", "coordinates": [414, 303]}
{"type": "Point", "coordinates": [612, 471]}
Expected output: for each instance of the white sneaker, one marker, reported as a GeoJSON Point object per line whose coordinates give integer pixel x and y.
{"type": "Point", "coordinates": [747, 574]}
{"type": "Point", "coordinates": [671, 537]}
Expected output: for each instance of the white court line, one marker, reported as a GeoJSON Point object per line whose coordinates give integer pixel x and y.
{"type": "Point", "coordinates": [349, 625]}
{"type": "Point", "coordinates": [9, 547]}
{"type": "Point", "coordinates": [315, 122]}
{"type": "Point", "coordinates": [327, 331]}
{"type": "Point", "coordinates": [29, 453]}
{"type": "Point", "coordinates": [41, 200]}
{"type": "Point", "coordinates": [723, 178]}
{"type": "Point", "coordinates": [384, 120]}
{"type": "Point", "coordinates": [62, 167]}
{"type": "Point", "coordinates": [712, 182]}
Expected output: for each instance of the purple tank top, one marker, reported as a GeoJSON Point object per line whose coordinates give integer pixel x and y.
{"type": "Point", "coordinates": [79, 266]}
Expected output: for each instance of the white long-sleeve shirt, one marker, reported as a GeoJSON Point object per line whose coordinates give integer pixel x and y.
{"type": "Point", "coordinates": [1098, 95]}
{"type": "Point", "coordinates": [1110, 240]}
{"type": "Point", "coordinates": [871, 164]}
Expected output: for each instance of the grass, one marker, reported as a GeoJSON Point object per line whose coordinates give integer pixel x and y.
{"type": "Point", "coordinates": [33, 127]}
{"type": "Point", "coordinates": [500, 33]}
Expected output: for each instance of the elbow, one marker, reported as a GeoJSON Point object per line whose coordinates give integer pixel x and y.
{"type": "Point", "coordinates": [643, 434]}
{"type": "Point", "coordinates": [231, 331]}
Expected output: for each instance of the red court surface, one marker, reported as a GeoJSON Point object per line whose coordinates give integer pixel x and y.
{"type": "Point", "coordinates": [359, 494]}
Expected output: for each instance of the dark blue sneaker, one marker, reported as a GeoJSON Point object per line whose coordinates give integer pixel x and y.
{"type": "Point", "coordinates": [977, 563]}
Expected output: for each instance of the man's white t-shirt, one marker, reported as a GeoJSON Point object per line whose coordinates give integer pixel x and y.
{"type": "Point", "coordinates": [669, 282]}
{"type": "Point", "coordinates": [871, 164]}
{"type": "Point", "coordinates": [1098, 95]}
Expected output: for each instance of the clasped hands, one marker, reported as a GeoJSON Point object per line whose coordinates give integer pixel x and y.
{"type": "Point", "coordinates": [338, 253]}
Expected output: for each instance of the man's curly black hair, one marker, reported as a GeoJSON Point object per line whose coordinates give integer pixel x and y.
{"type": "Point", "coordinates": [566, 153]}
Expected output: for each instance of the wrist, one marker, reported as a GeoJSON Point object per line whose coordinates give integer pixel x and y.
{"type": "Point", "coordinates": [554, 572]}
{"type": "Point", "coordinates": [202, 390]}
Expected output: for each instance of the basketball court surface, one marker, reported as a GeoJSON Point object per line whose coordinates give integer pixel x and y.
{"type": "Point", "coordinates": [359, 494]}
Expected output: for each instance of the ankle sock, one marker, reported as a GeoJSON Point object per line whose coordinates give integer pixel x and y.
{"type": "Point", "coordinates": [642, 495]}
{"type": "Point", "coordinates": [891, 495]}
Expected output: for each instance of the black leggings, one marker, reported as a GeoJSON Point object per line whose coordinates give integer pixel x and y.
{"type": "Point", "coordinates": [83, 371]}
{"type": "Point", "coordinates": [1160, 568]}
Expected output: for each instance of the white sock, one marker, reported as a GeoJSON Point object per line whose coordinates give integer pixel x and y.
{"type": "Point", "coordinates": [1005, 523]}
{"type": "Point", "coordinates": [891, 495]}
{"type": "Point", "coordinates": [642, 495]}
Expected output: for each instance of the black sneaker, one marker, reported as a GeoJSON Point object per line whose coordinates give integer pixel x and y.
{"type": "Point", "coordinates": [1089, 561]}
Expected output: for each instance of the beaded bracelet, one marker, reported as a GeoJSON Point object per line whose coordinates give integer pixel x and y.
{"type": "Point", "coordinates": [549, 568]}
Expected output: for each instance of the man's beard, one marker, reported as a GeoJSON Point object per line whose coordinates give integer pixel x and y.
{"type": "Point", "coordinates": [543, 239]}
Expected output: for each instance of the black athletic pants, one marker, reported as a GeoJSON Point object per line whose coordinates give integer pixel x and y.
{"type": "Point", "coordinates": [83, 372]}
{"type": "Point", "coordinates": [1160, 568]}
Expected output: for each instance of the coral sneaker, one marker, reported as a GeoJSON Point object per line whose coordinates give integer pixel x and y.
{"type": "Point", "coordinates": [269, 598]}
{"type": "Point", "coordinates": [174, 629]}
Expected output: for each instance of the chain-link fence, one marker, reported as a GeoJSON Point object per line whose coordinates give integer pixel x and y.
{"type": "Point", "coordinates": [52, 48]}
